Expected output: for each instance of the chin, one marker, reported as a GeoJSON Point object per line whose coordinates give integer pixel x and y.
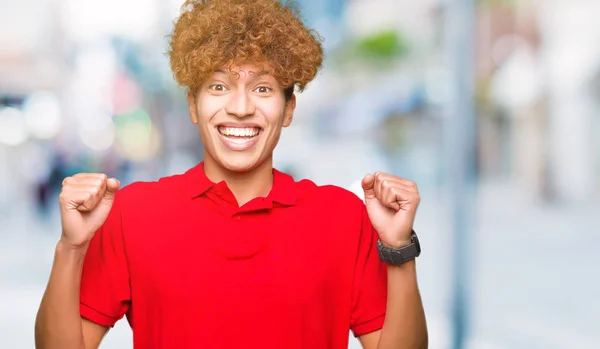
{"type": "Point", "coordinates": [238, 163]}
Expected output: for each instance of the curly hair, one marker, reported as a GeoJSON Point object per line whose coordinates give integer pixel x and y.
{"type": "Point", "coordinates": [212, 34]}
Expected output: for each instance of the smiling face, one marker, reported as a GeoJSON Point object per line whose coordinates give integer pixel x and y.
{"type": "Point", "coordinates": [240, 115]}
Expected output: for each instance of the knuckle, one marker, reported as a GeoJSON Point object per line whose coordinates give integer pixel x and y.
{"type": "Point", "coordinates": [95, 191]}
{"type": "Point", "coordinates": [67, 181]}
{"type": "Point", "coordinates": [389, 185]}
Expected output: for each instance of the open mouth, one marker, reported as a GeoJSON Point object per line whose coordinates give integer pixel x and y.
{"type": "Point", "coordinates": [239, 138]}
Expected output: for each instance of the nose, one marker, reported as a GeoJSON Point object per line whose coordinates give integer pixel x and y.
{"type": "Point", "coordinates": [240, 105]}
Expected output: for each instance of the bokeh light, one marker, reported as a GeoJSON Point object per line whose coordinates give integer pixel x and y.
{"type": "Point", "coordinates": [43, 115]}
{"type": "Point", "coordinates": [13, 129]}
{"type": "Point", "coordinates": [138, 139]}
{"type": "Point", "coordinates": [99, 137]}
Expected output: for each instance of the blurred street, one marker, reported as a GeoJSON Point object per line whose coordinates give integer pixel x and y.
{"type": "Point", "coordinates": [503, 95]}
{"type": "Point", "coordinates": [533, 273]}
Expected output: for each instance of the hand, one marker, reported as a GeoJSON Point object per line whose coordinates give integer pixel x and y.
{"type": "Point", "coordinates": [85, 201]}
{"type": "Point", "coordinates": [391, 204]}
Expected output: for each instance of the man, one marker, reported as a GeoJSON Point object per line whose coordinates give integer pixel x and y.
{"type": "Point", "coordinates": [233, 253]}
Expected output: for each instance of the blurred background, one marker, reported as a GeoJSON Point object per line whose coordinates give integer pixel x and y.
{"type": "Point", "coordinates": [491, 106]}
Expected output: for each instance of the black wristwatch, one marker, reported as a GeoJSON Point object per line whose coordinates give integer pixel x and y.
{"type": "Point", "coordinates": [396, 256]}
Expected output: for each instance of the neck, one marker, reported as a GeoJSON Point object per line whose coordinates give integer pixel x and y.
{"type": "Point", "coordinates": [246, 185]}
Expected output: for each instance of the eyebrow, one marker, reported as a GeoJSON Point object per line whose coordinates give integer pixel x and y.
{"type": "Point", "coordinates": [262, 72]}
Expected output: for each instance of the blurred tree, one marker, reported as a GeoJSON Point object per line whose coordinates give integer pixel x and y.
{"type": "Point", "coordinates": [386, 45]}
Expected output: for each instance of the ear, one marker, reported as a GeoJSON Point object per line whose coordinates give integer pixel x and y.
{"type": "Point", "coordinates": [288, 114]}
{"type": "Point", "coordinates": [193, 108]}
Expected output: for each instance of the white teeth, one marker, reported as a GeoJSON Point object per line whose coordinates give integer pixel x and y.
{"type": "Point", "coordinates": [239, 132]}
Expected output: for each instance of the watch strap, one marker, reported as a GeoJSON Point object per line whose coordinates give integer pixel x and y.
{"type": "Point", "coordinates": [396, 256]}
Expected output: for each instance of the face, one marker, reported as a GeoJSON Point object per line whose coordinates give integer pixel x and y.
{"type": "Point", "coordinates": [240, 117]}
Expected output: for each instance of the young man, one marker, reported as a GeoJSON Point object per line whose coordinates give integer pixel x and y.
{"type": "Point", "coordinates": [233, 253]}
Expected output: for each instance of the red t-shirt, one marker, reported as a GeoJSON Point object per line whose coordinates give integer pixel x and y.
{"type": "Point", "coordinates": [191, 269]}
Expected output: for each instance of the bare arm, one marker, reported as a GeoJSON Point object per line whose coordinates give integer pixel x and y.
{"type": "Point", "coordinates": [58, 323]}
{"type": "Point", "coordinates": [85, 201]}
{"type": "Point", "coordinates": [392, 204]}
{"type": "Point", "coordinates": [405, 326]}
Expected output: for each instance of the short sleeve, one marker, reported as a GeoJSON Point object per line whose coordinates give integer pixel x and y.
{"type": "Point", "coordinates": [105, 291]}
{"type": "Point", "coordinates": [369, 295]}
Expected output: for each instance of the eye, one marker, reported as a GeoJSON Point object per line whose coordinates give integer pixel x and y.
{"type": "Point", "coordinates": [263, 89]}
{"type": "Point", "coordinates": [218, 87]}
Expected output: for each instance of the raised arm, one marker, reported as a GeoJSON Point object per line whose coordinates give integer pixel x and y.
{"type": "Point", "coordinates": [85, 202]}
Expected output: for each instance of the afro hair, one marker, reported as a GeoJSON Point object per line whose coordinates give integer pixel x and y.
{"type": "Point", "coordinates": [213, 34]}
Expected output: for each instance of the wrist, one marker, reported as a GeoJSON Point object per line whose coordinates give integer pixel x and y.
{"type": "Point", "coordinates": [64, 247]}
{"type": "Point", "coordinates": [399, 251]}
{"type": "Point", "coordinates": [68, 259]}
{"type": "Point", "coordinates": [397, 243]}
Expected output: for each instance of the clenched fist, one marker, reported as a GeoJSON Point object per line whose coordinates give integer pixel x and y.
{"type": "Point", "coordinates": [85, 201]}
{"type": "Point", "coordinates": [392, 204]}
